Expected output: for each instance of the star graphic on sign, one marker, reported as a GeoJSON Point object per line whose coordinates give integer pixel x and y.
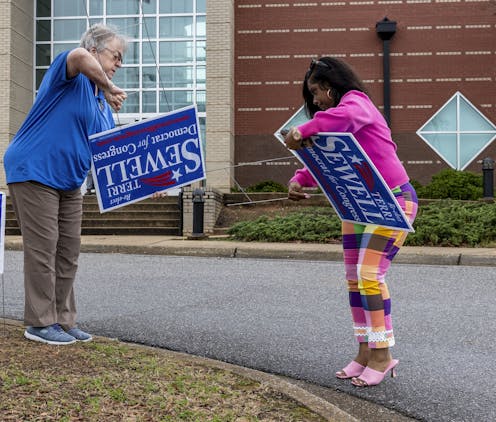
{"type": "Point", "coordinates": [355, 159]}
{"type": "Point", "coordinates": [176, 175]}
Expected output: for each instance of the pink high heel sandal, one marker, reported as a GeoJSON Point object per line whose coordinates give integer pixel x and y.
{"type": "Point", "coordinates": [353, 369]}
{"type": "Point", "coordinates": [372, 377]}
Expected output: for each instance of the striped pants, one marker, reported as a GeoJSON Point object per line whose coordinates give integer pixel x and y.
{"type": "Point", "coordinates": [368, 252]}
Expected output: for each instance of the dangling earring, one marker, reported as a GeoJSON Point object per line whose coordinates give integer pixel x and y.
{"type": "Point", "coordinates": [332, 95]}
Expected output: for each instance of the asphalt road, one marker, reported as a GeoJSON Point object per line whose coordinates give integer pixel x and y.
{"type": "Point", "coordinates": [291, 318]}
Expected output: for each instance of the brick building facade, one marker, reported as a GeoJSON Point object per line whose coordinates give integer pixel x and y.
{"type": "Point", "coordinates": [440, 47]}
{"type": "Point", "coordinates": [258, 51]}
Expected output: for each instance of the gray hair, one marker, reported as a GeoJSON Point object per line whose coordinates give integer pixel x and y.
{"type": "Point", "coordinates": [99, 34]}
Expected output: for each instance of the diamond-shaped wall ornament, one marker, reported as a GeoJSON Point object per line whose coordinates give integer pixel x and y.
{"type": "Point", "coordinates": [458, 132]}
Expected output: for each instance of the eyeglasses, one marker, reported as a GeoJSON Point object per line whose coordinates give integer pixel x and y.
{"type": "Point", "coordinates": [314, 63]}
{"type": "Point", "coordinates": [117, 56]}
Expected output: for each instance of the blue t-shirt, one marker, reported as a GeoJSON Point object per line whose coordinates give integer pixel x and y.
{"type": "Point", "coordinates": [51, 146]}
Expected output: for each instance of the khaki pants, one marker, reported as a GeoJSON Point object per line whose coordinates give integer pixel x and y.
{"type": "Point", "coordinates": [50, 222]}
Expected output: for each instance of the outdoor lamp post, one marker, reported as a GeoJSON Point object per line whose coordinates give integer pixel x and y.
{"type": "Point", "coordinates": [385, 30]}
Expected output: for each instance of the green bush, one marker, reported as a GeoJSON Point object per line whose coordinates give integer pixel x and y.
{"type": "Point", "coordinates": [445, 223]}
{"type": "Point", "coordinates": [266, 186]}
{"type": "Point", "coordinates": [453, 184]}
{"type": "Point", "coordinates": [317, 225]}
{"type": "Point", "coordinates": [454, 223]}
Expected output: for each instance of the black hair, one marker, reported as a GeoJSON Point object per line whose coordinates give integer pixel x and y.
{"type": "Point", "coordinates": [330, 73]}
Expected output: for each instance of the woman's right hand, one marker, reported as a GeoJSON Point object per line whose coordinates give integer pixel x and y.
{"type": "Point", "coordinates": [159, 195]}
{"type": "Point", "coordinates": [295, 193]}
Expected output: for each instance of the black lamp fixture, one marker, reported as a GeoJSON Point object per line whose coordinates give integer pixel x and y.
{"type": "Point", "coordinates": [385, 30]}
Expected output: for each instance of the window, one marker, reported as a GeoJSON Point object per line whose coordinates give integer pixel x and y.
{"type": "Point", "coordinates": [165, 63]}
{"type": "Point", "coordinates": [458, 132]}
{"type": "Point", "coordinates": [68, 8]}
{"type": "Point", "coordinates": [174, 6]}
{"type": "Point", "coordinates": [123, 7]}
{"type": "Point", "coordinates": [68, 29]}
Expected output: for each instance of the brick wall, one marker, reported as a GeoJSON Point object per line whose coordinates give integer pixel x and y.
{"type": "Point", "coordinates": [440, 47]}
{"type": "Point", "coordinates": [212, 206]}
{"type": "Point", "coordinates": [16, 70]}
{"type": "Point", "coordinates": [4, 81]}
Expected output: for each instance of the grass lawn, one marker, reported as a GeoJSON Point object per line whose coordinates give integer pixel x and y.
{"type": "Point", "coordinates": [106, 380]}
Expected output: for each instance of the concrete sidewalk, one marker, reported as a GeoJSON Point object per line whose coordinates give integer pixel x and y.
{"type": "Point", "coordinates": [218, 246]}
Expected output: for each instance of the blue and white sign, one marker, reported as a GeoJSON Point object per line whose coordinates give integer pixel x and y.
{"type": "Point", "coordinates": [132, 162]}
{"type": "Point", "coordinates": [350, 181]}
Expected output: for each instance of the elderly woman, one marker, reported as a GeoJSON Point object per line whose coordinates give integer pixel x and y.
{"type": "Point", "coordinates": [46, 163]}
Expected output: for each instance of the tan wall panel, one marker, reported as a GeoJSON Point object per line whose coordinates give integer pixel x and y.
{"type": "Point", "coordinates": [22, 48]}
{"type": "Point", "coordinates": [20, 97]}
{"type": "Point", "coordinates": [220, 94]}
{"type": "Point", "coordinates": [22, 77]}
{"type": "Point", "coordinates": [24, 6]}
{"type": "Point", "coordinates": [4, 84]}
{"type": "Point", "coordinates": [16, 69]}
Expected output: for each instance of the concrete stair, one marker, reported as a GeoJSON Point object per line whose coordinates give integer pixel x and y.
{"type": "Point", "coordinates": [147, 217]}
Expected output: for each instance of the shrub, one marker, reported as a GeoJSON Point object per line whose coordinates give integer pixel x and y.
{"type": "Point", "coordinates": [453, 184]}
{"type": "Point", "coordinates": [317, 225]}
{"type": "Point", "coordinates": [454, 223]}
{"type": "Point", "coordinates": [445, 223]}
{"type": "Point", "coordinates": [266, 186]}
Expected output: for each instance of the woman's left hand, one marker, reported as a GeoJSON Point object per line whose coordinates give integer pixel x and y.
{"type": "Point", "coordinates": [115, 97]}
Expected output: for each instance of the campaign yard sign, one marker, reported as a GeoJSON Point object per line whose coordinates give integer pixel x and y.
{"type": "Point", "coordinates": [132, 162]}
{"type": "Point", "coordinates": [350, 181]}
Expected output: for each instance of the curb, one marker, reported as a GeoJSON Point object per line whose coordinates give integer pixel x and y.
{"type": "Point", "coordinates": [312, 402]}
{"type": "Point", "coordinates": [227, 249]}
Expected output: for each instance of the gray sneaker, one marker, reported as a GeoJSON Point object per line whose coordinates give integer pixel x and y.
{"type": "Point", "coordinates": [53, 334]}
{"type": "Point", "coordinates": [79, 334]}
